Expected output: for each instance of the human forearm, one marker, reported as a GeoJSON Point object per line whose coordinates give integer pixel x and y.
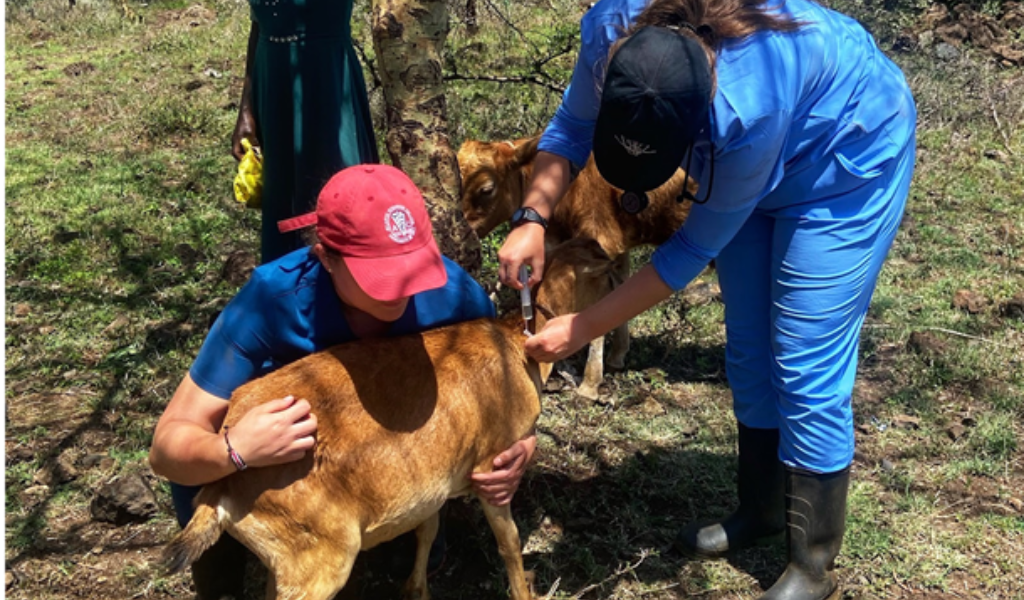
{"type": "Point", "coordinates": [188, 447]}
{"type": "Point", "coordinates": [250, 59]}
{"type": "Point", "coordinates": [639, 293]}
{"type": "Point", "coordinates": [551, 178]}
{"type": "Point", "coordinates": [525, 244]}
{"type": "Point", "coordinates": [188, 454]}
{"type": "Point", "coordinates": [245, 125]}
{"type": "Point", "coordinates": [565, 335]}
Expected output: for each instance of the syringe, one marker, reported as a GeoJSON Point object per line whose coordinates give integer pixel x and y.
{"type": "Point", "coordinates": [524, 298]}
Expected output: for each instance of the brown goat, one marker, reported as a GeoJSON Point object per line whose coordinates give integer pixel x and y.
{"type": "Point", "coordinates": [402, 423]}
{"type": "Point", "coordinates": [495, 176]}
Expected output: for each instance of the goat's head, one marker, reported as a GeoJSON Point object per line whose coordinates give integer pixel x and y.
{"type": "Point", "coordinates": [494, 178]}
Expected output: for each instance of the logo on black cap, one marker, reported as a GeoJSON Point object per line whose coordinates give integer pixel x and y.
{"type": "Point", "coordinates": [633, 147]}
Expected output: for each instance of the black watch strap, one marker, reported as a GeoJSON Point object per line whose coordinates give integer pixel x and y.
{"type": "Point", "coordinates": [526, 214]}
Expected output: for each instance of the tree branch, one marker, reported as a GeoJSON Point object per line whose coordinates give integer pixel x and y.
{"type": "Point", "coordinates": [507, 79]}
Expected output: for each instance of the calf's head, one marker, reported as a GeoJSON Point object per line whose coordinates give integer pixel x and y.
{"type": "Point", "coordinates": [494, 178]}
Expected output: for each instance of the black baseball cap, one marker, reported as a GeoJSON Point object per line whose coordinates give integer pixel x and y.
{"type": "Point", "coordinates": [655, 101]}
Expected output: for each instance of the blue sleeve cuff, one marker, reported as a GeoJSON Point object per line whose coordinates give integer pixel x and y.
{"type": "Point", "coordinates": [678, 260]}
{"type": "Point", "coordinates": [238, 344]}
{"type": "Point", "coordinates": [220, 367]}
{"type": "Point", "coordinates": [568, 136]}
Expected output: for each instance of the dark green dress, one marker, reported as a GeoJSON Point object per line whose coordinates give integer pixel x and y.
{"type": "Point", "coordinates": [310, 105]}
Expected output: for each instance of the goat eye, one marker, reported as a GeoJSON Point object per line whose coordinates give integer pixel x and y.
{"type": "Point", "coordinates": [487, 189]}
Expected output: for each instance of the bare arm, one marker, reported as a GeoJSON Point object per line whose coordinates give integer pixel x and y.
{"type": "Point", "coordinates": [525, 245]}
{"type": "Point", "coordinates": [565, 335]}
{"type": "Point", "coordinates": [245, 126]}
{"type": "Point", "coordinates": [189, 449]}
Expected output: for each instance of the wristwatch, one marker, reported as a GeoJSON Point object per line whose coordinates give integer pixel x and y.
{"type": "Point", "coordinates": [526, 214]}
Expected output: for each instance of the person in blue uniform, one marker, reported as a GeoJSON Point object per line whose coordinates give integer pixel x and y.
{"type": "Point", "coordinates": [800, 134]}
{"type": "Point", "coordinates": [375, 271]}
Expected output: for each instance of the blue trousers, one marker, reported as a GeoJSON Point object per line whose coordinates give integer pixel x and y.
{"type": "Point", "coordinates": [797, 283]}
{"type": "Point", "coordinates": [182, 497]}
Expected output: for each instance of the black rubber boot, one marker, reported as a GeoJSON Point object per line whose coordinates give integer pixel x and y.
{"type": "Point", "coordinates": [816, 520]}
{"type": "Point", "coordinates": [761, 489]}
{"type": "Point", "coordinates": [219, 574]}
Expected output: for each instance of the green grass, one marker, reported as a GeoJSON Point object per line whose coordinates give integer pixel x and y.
{"type": "Point", "coordinates": [120, 218]}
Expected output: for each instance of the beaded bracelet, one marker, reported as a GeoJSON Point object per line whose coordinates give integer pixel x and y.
{"type": "Point", "coordinates": [236, 458]}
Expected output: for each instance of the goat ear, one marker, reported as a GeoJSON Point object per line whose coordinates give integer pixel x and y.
{"type": "Point", "coordinates": [596, 267]}
{"type": "Point", "coordinates": [526, 151]}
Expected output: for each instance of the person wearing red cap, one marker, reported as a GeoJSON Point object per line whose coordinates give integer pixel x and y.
{"type": "Point", "coordinates": [374, 271]}
{"type": "Point", "coordinates": [801, 135]}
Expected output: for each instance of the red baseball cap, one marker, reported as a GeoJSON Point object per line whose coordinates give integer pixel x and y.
{"type": "Point", "coordinates": [375, 218]}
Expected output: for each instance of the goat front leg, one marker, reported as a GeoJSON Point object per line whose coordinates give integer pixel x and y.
{"type": "Point", "coordinates": [593, 374]}
{"type": "Point", "coordinates": [507, 535]}
{"type": "Point", "coordinates": [416, 586]}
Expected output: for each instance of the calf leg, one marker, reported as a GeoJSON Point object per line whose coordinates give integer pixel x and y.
{"type": "Point", "coordinates": [416, 586]}
{"type": "Point", "coordinates": [593, 374]}
{"type": "Point", "coordinates": [619, 345]}
{"type": "Point", "coordinates": [507, 535]}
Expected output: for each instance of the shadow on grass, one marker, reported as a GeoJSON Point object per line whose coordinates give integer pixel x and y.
{"type": "Point", "coordinates": [156, 297]}
{"type": "Point", "coordinates": [587, 534]}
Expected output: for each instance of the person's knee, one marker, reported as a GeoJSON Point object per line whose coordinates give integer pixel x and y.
{"type": "Point", "coordinates": [182, 497]}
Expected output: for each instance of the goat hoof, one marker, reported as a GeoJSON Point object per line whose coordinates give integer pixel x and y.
{"type": "Point", "coordinates": [615, 364]}
{"type": "Point", "coordinates": [531, 580]}
{"type": "Point", "coordinates": [587, 391]}
{"type": "Point", "coordinates": [415, 593]}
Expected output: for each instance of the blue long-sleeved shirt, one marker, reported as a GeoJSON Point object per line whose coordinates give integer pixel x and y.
{"type": "Point", "coordinates": [797, 117]}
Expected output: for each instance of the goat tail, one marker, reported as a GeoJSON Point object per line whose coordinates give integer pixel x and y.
{"type": "Point", "coordinates": [202, 532]}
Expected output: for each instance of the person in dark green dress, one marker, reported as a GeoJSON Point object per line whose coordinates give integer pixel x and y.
{"type": "Point", "coordinates": [304, 104]}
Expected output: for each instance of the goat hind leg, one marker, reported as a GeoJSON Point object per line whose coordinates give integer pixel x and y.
{"type": "Point", "coordinates": [315, 574]}
{"type": "Point", "coordinates": [416, 586]}
{"type": "Point", "coordinates": [507, 535]}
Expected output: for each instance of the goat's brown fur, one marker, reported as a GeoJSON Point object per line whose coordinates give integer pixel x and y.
{"type": "Point", "coordinates": [402, 423]}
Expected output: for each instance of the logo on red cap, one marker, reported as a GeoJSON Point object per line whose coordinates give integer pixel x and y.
{"type": "Point", "coordinates": [400, 225]}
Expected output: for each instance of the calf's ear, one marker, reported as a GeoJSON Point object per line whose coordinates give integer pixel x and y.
{"type": "Point", "coordinates": [525, 152]}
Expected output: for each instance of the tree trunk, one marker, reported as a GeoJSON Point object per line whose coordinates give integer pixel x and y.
{"type": "Point", "coordinates": [409, 36]}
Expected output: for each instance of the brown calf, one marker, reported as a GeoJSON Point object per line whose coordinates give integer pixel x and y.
{"type": "Point", "coordinates": [402, 423]}
{"type": "Point", "coordinates": [578, 274]}
{"type": "Point", "coordinates": [495, 176]}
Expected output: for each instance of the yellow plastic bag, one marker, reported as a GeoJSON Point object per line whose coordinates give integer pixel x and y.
{"type": "Point", "coordinates": [249, 180]}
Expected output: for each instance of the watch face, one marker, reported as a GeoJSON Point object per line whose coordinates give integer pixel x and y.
{"type": "Point", "coordinates": [526, 215]}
